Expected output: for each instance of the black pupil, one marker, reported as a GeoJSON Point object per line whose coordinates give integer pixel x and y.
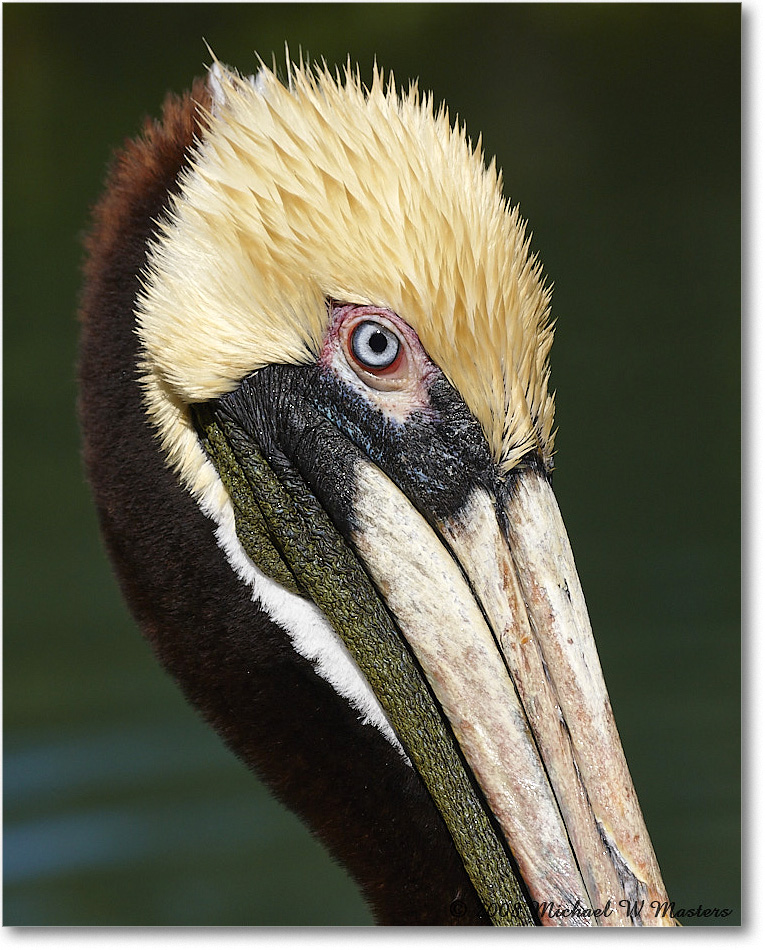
{"type": "Point", "coordinates": [378, 342]}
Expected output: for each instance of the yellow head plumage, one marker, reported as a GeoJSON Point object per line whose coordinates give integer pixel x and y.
{"type": "Point", "coordinates": [319, 189]}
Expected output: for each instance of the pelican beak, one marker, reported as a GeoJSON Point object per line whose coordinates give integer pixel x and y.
{"type": "Point", "coordinates": [456, 592]}
{"type": "Point", "coordinates": [501, 628]}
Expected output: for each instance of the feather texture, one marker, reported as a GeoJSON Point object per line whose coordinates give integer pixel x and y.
{"type": "Point", "coordinates": [322, 188]}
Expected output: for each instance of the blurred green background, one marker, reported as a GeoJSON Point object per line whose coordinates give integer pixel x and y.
{"type": "Point", "coordinates": [618, 130]}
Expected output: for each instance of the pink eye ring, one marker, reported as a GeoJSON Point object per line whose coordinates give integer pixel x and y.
{"type": "Point", "coordinates": [375, 347]}
{"type": "Point", "coordinates": [380, 348]}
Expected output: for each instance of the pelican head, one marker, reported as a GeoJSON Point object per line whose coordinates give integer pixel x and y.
{"type": "Point", "coordinates": [319, 430]}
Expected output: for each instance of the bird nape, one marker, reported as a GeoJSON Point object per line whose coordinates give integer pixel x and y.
{"type": "Point", "coordinates": [317, 425]}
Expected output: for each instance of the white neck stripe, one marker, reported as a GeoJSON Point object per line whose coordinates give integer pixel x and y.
{"type": "Point", "coordinates": [310, 632]}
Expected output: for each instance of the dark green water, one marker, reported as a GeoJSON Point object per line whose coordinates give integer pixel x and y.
{"type": "Point", "coordinates": [618, 132]}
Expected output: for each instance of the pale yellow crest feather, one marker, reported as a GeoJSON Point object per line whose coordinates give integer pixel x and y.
{"type": "Point", "coordinates": [322, 188]}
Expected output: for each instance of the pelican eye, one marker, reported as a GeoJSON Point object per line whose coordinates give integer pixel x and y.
{"type": "Point", "coordinates": [375, 346]}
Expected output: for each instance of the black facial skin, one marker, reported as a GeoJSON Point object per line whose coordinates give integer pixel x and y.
{"type": "Point", "coordinates": [302, 416]}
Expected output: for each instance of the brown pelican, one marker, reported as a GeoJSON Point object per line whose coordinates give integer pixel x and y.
{"type": "Point", "coordinates": [318, 428]}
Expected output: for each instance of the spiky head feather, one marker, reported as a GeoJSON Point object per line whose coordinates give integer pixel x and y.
{"type": "Point", "coordinates": [322, 188]}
